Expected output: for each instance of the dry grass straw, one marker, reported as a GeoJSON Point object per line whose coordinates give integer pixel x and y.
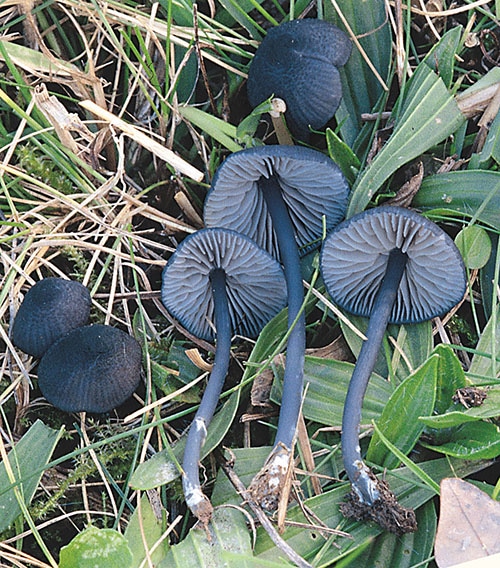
{"type": "Point", "coordinates": [90, 230]}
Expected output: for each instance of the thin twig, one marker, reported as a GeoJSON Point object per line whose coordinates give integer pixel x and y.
{"type": "Point", "coordinates": [262, 517]}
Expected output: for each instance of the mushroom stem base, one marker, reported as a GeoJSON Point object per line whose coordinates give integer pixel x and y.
{"type": "Point", "coordinates": [269, 485]}
{"type": "Point", "coordinates": [385, 510]}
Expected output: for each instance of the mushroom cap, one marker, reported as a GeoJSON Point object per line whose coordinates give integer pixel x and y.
{"type": "Point", "coordinates": [312, 186]}
{"type": "Point", "coordinates": [50, 309]}
{"type": "Point", "coordinates": [93, 368]}
{"type": "Point", "coordinates": [255, 283]}
{"type": "Point", "coordinates": [298, 62]}
{"type": "Point", "coordinates": [354, 259]}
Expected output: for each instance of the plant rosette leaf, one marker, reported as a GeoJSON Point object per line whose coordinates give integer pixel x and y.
{"type": "Point", "coordinates": [450, 377]}
{"type": "Point", "coordinates": [471, 441]}
{"type": "Point", "coordinates": [474, 244]}
{"type": "Point", "coordinates": [428, 116]}
{"type": "Point", "coordinates": [342, 155]}
{"type": "Point", "coordinates": [96, 548]}
{"type": "Point", "coordinates": [227, 531]}
{"type": "Point", "coordinates": [325, 398]}
{"type": "Point", "coordinates": [449, 193]}
{"type": "Point", "coordinates": [143, 532]}
{"type": "Point", "coordinates": [484, 364]}
{"type": "Point", "coordinates": [361, 88]}
{"type": "Point", "coordinates": [399, 422]}
{"type": "Point", "coordinates": [32, 451]}
{"type": "Point", "coordinates": [457, 415]}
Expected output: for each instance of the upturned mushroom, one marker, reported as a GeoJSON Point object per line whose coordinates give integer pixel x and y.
{"type": "Point", "coordinates": [50, 309]}
{"type": "Point", "coordinates": [278, 196]}
{"type": "Point", "coordinates": [216, 284]}
{"type": "Point", "coordinates": [391, 265]}
{"type": "Point", "coordinates": [93, 368]}
{"type": "Point", "coordinates": [298, 62]}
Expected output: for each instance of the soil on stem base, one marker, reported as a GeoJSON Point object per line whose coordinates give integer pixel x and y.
{"type": "Point", "coordinates": [385, 511]}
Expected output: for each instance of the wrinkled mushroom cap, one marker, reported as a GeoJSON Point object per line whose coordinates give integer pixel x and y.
{"type": "Point", "coordinates": [298, 62]}
{"type": "Point", "coordinates": [50, 309]}
{"type": "Point", "coordinates": [354, 259]}
{"type": "Point", "coordinates": [255, 283]}
{"type": "Point", "coordinates": [94, 368]}
{"type": "Point", "coordinates": [312, 186]}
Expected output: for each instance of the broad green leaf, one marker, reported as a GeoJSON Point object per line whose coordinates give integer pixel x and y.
{"type": "Point", "coordinates": [205, 549]}
{"type": "Point", "coordinates": [360, 86]}
{"type": "Point", "coordinates": [491, 147]}
{"type": "Point", "coordinates": [326, 381]}
{"type": "Point", "coordinates": [411, 549]}
{"type": "Point", "coordinates": [474, 245]}
{"type": "Point", "coordinates": [245, 131]}
{"type": "Point", "coordinates": [428, 116]}
{"type": "Point", "coordinates": [489, 409]}
{"type": "Point", "coordinates": [96, 548]}
{"type": "Point", "coordinates": [162, 467]}
{"type": "Point", "coordinates": [451, 193]}
{"type": "Point", "coordinates": [441, 58]}
{"type": "Point", "coordinates": [406, 461]}
{"type": "Point", "coordinates": [143, 531]}
{"type": "Point", "coordinates": [163, 371]}
{"type": "Point", "coordinates": [33, 450]}
{"type": "Point", "coordinates": [472, 441]}
{"type": "Point", "coordinates": [488, 276]}
{"type": "Point", "coordinates": [450, 377]}
{"type": "Point", "coordinates": [218, 129]}
{"type": "Point", "coordinates": [311, 546]}
{"type": "Point", "coordinates": [342, 155]}
{"type": "Point", "coordinates": [400, 419]}
{"type": "Point", "coordinates": [233, 559]}
{"type": "Point", "coordinates": [486, 363]}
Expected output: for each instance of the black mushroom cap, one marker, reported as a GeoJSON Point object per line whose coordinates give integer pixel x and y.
{"type": "Point", "coordinates": [311, 183]}
{"type": "Point", "coordinates": [298, 62]}
{"type": "Point", "coordinates": [94, 368]}
{"type": "Point", "coordinates": [354, 259]}
{"type": "Point", "coordinates": [50, 309]}
{"type": "Point", "coordinates": [255, 283]}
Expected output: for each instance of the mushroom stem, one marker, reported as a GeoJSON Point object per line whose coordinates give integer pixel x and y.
{"type": "Point", "coordinates": [362, 483]}
{"type": "Point", "coordinates": [294, 369]}
{"type": "Point", "coordinates": [195, 498]}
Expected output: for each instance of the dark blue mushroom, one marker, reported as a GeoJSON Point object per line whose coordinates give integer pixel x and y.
{"type": "Point", "coordinates": [93, 368]}
{"type": "Point", "coordinates": [279, 196]}
{"type": "Point", "coordinates": [218, 283]}
{"type": "Point", "coordinates": [50, 309]}
{"type": "Point", "coordinates": [298, 62]}
{"type": "Point", "coordinates": [394, 266]}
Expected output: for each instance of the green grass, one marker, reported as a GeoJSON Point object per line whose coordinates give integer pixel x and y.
{"type": "Point", "coordinates": [108, 206]}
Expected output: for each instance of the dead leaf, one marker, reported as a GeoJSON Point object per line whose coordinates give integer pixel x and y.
{"type": "Point", "coordinates": [64, 123]}
{"type": "Point", "coordinates": [469, 524]}
{"type": "Point", "coordinates": [407, 192]}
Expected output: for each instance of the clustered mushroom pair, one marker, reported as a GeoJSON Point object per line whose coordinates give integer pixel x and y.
{"type": "Point", "coordinates": [388, 263]}
{"type": "Point", "coordinates": [82, 368]}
